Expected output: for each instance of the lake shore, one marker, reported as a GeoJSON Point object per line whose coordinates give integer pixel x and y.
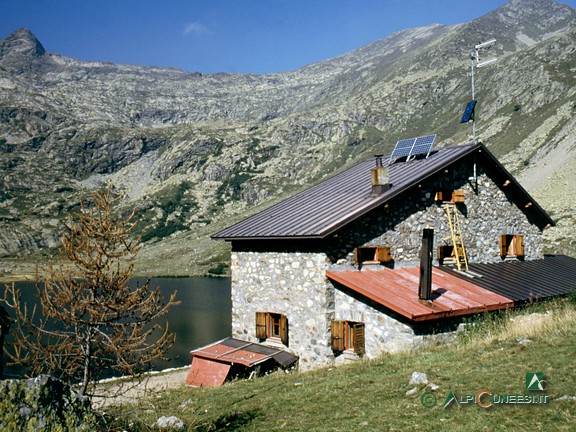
{"type": "Point", "coordinates": [203, 316]}
{"type": "Point", "coordinates": [121, 391]}
{"type": "Point", "coordinates": [8, 279]}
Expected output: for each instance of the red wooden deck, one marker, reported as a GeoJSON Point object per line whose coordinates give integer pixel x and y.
{"type": "Point", "coordinates": [398, 290]}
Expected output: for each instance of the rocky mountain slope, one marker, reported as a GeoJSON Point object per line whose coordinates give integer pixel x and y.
{"type": "Point", "coordinates": [196, 152]}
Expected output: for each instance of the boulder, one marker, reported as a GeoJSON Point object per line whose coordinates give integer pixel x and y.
{"type": "Point", "coordinates": [171, 422]}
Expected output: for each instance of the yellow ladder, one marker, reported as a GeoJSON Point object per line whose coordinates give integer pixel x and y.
{"type": "Point", "coordinates": [456, 235]}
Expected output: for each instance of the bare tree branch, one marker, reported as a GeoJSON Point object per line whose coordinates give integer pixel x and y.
{"type": "Point", "coordinates": [90, 322]}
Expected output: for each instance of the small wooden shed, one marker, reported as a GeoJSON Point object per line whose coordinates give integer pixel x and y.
{"type": "Point", "coordinates": [233, 358]}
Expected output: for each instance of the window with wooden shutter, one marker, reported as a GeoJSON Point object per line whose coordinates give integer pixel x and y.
{"type": "Point", "coordinates": [455, 196]}
{"type": "Point", "coordinates": [338, 335]}
{"type": "Point", "coordinates": [372, 255]}
{"type": "Point", "coordinates": [273, 326]}
{"type": "Point", "coordinates": [348, 336]}
{"type": "Point", "coordinates": [445, 251]}
{"type": "Point", "coordinates": [511, 245]}
{"type": "Point", "coordinates": [261, 325]}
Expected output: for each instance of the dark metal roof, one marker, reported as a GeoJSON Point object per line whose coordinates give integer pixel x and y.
{"type": "Point", "coordinates": [323, 209]}
{"type": "Point", "coordinates": [523, 281]}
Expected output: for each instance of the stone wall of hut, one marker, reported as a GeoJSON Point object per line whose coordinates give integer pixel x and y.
{"type": "Point", "coordinates": [295, 285]}
{"type": "Point", "coordinates": [486, 214]}
{"type": "Point", "coordinates": [291, 284]}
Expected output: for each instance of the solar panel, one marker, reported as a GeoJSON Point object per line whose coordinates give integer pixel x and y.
{"type": "Point", "coordinates": [423, 145]}
{"type": "Point", "coordinates": [403, 148]}
{"type": "Point", "coordinates": [468, 112]}
{"type": "Point", "coordinates": [410, 148]}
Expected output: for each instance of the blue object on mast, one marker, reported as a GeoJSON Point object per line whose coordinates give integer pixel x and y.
{"type": "Point", "coordinates": [468, 112]}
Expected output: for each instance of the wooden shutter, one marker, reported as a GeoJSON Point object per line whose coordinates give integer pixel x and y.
{"type": "Point", "coordinates": [359, 339]}
{"type": "Point", "coordinates": [519, 245]}
{"type": "Point", "coordinates": [261, 325]}
{"type": "Point", "coordinates": [284, 329]}
{"type": "Point", "coordinates": [338, 336]}
{"type": "Point", "coordinates": [383, 254]}
{"type": "Point", "coordinates": [503, 246]}
{"type": "Point", "coordinates": [458, 196]}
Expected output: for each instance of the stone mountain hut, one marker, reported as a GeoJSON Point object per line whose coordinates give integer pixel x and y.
{"type": "Point", "coordinates": [388, 255]}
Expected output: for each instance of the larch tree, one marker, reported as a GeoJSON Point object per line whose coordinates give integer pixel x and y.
{"type": "Point", "coordinates": [90, 321]}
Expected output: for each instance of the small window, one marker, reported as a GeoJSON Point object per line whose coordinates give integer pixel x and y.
{"type": "Point", "coordinates": [455, 196]}
{"type": "Point", "coordinates": [348, 336]}
{"type": "Point", "coordinates": [512, 245]}
{"type": "Point", "coordinates": [273, 330]}
{"type": "Point", "coordinates": [272, 326]}
{"type": "Point", "coordinates": [445, 252]}
{"type": "Point", "coordinates": [372, 255]}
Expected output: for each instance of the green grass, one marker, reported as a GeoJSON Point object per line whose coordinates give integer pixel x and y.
{"type": "Point", "coordinates": [371, 395]}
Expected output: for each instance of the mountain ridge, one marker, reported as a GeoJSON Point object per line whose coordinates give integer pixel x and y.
{"type": "Point", "coordinates": [194, 151]}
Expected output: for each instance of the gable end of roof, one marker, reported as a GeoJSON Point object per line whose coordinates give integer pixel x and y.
{"type": "Point", "coordinates": [323, 209]}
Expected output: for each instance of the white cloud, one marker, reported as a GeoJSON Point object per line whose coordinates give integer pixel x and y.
{"type": "Point", "coordinates": [196, 28]}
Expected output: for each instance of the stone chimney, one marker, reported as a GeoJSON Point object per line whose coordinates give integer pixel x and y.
{"type": "Point", "coordinates": [380, 178]}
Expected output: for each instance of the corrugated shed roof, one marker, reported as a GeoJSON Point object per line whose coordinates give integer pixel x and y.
{"type": "Point", "coordinates": [211, 364]}
{"type": "Point", "coordinates": [523, 281]}
{"type": "Point", "coordinates": [231, 350]}
{"type": "Point", "coordinates": [322, 209]}
{"type": "Point", "coordinates": [397, 290]}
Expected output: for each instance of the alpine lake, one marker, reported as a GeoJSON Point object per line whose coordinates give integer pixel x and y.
{"type": "Point", "coordinates": [203, 316]}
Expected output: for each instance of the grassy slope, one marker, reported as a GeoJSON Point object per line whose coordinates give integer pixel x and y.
{"type": "Point", "coordinates": [371, 395]}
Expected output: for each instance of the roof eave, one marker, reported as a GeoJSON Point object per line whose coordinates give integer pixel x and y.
{"type": "Point", "coordinates": [256, 238]}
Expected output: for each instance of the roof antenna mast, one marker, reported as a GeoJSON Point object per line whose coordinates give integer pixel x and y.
{"type": "Point", "coordinates": [476, 63]}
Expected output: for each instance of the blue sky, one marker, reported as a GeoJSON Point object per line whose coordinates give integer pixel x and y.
{"type": "Point", "coordinates": [235, 36]}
